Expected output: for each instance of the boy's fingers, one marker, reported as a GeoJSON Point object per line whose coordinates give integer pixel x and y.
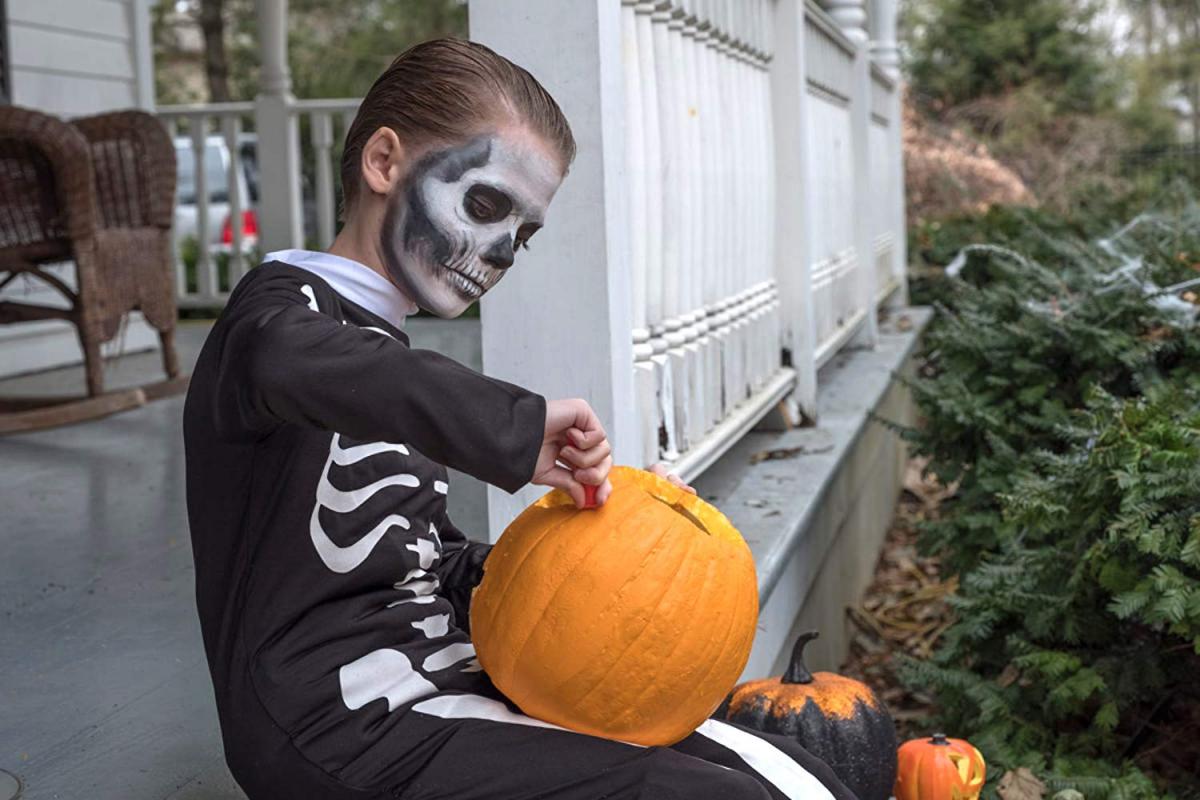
{"type": "Point", "coordinates": [603, 492]}
{"type": "Point", "coordinates": [595, 475]}
{"type": "Point", "coordinates": [561, 478]}
{"type": "Point", "coordinates": [582, 459]}
{"type": "Point", "coordinates": [661, 470]}
{"type": "Point", "coordinates": [586, 439]}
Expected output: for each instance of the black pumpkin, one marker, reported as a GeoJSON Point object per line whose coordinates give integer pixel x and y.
{"type": "Point", "coordinates": [837, 719]}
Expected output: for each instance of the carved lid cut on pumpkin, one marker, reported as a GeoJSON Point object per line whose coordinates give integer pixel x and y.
{"type": "Point", "coordinates": [699, 513]}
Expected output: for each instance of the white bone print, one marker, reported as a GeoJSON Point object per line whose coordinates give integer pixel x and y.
{"type": "Point", "coordinates": [433, 627]}
{"type": "Point", "coordinates": [382, 674]}
{"type": "Point", "coordinates": [426, 552]}
{"type": "Point", "coordinates": [307, 291]}
{"type": "Point", "coordinates": [346, 559]}
{"type": "Point", "coordinates": [448, 656]}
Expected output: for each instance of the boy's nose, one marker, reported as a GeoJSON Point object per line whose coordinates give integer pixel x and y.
{"type": "Point", "coordinates": [500, 254]}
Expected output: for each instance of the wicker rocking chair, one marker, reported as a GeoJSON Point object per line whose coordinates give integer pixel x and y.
{"type": "Point", "coordinates": [97, 191]}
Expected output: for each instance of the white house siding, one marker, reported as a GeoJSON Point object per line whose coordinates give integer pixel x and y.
{"type": "Point", "coordinates": [73, 58]}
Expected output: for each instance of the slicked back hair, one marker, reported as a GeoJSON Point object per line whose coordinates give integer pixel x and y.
{"type": "Point", "coordinates": [447, 90]}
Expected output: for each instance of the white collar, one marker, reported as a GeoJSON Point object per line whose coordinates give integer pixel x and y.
{"type": "Point", "coordinates": [354, 281]}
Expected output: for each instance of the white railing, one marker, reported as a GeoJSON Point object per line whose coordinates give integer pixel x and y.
{"type": "Point", "coordinates": [732, 221]}
{"type": "Point", "coordinates": [704, 302]}
{"type": "Point", "coordinates": [219, 186]}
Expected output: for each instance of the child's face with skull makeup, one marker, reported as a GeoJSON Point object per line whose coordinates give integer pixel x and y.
{"type": "Point", "coordinates": [456, 220]}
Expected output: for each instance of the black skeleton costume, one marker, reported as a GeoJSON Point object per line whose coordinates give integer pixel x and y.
{"type": "Point", "coordinates": [333, 590]}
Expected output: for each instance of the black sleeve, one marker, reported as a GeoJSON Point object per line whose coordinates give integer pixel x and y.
{"type": "Point", "coordinates": [459, 570]}
{"type": "Point", "coordinates": [281, 361]}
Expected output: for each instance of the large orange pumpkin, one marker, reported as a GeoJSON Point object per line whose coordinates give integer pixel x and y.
{"type": "Point", "coordinates": [630, 622]}
{"type": "Point", "coordinates": [939, 768]}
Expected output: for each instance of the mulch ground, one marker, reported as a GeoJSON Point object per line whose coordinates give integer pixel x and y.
{"type": "Point", "coordinates": [904, 610]}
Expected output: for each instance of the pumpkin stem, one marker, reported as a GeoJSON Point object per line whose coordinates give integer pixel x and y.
{"type": "Point", "coordinates": [797, 672]}
{"type": "Point", "coordinates": [939, 738]}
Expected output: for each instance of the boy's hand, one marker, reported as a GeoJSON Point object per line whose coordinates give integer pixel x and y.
{"type": "Point", "coordinates": [660, 470]}
{"type": "Point", "coordinates": [575, 451]}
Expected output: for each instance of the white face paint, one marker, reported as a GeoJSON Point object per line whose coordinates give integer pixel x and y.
{"type": "Point", "coordinates": [455, 225]}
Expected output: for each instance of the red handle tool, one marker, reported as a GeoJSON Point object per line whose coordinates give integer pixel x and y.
{"type": "Point", "coordinates": [589, 496]}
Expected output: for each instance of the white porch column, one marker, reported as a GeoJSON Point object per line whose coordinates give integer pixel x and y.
{"type": "Point", "coordinates": [560, 323]}
{"type": "Point", "coordinates": [793, 261]}
{"type": "Point", "coordinates": [279, 214]}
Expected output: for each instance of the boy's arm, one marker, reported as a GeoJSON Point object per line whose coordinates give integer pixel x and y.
{"type": "Point", "coordinates": [459, 570]}
{"type": "Point", "coordinates": [284, 362]}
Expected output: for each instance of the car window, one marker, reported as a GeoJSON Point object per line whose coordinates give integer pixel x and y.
{"type": "Point", "coordinates": [214, 173]}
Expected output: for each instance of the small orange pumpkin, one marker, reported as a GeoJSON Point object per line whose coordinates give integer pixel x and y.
{"type": "Point", "coordinates": [939, 768]}
{"type": "Point", "coordinates": [630, 622]}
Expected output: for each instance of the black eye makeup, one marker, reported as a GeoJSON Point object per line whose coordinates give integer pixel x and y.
{"type": "Point", "coordinates": [524, 233]}
{"type": "Point", "coordinates": [486, 204]}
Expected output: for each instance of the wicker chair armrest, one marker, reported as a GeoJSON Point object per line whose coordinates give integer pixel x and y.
{"type": "Point", "coordinates": [69, 157]}
{"type": "Point", "coordinates": [133, 149]}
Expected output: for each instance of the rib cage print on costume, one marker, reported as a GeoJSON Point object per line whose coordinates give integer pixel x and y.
{"type": "Point", "coordinates": [385, 673]}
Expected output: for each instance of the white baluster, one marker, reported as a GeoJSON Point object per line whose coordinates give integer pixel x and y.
{"type": "Point", "coordinates": [322, 141]}
{"type": "Point", "coordinates": [851, 17]}
{"type": "Point", "coordinates": [231, 127]}
{"type": "Point", "coordinates": [791, 106]}
{"type": "Point", "coordinates": [635, 165]}
{"type": "Point", "coordinates": [695, 114]}
{"type": "Point", "coordinates": [664, 33]}
{"type": "Point", "coordinates": [206, 275]}
{"type": "Point", "coordinates": [653, 141]}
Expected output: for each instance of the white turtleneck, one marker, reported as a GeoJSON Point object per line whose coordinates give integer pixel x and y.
{"type": "Point", "coordinates": [354, 281]}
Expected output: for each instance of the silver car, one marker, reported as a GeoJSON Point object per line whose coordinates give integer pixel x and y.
{"type": "Point", "coordinates": [219, 232]}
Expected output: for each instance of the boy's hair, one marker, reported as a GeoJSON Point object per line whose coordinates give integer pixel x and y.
{"type": "Point", "coordinates": [447, 90]}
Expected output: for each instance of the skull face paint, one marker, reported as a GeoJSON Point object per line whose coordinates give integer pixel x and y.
{"type": "Point", "coordinates": [454, 226]}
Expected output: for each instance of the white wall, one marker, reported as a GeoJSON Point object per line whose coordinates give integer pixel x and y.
{"type": "Point", "coordinates": [73, 58]}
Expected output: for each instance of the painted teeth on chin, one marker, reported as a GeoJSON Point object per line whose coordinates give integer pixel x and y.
{"type": "Point", "coordinates": [465, 285]}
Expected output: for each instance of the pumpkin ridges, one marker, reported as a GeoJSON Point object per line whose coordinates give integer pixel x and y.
{"type": "Point", "coordinates": [690, 544]}
{"type": "Point", "coordinates": [573, 691]}
{"type": "Point", "coordinates": [501, 594]}
{"type": "Point", "coordinates": [634, 706]}
{"type": "Point", "coordinates": [562, 594]}
{"type": "Point", "coordinates": [749, 586]}
{"type": "Point", "coordinates": [563, 585]}
{"type": "Point", "coordinates": [504, 670]}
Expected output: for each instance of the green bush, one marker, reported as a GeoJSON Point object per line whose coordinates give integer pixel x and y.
{"type": "Point", "coordinates": [1062, 392]}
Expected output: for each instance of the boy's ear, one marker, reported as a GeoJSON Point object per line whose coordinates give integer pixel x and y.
{"type": "Point", "coordinates": [383, 160]}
